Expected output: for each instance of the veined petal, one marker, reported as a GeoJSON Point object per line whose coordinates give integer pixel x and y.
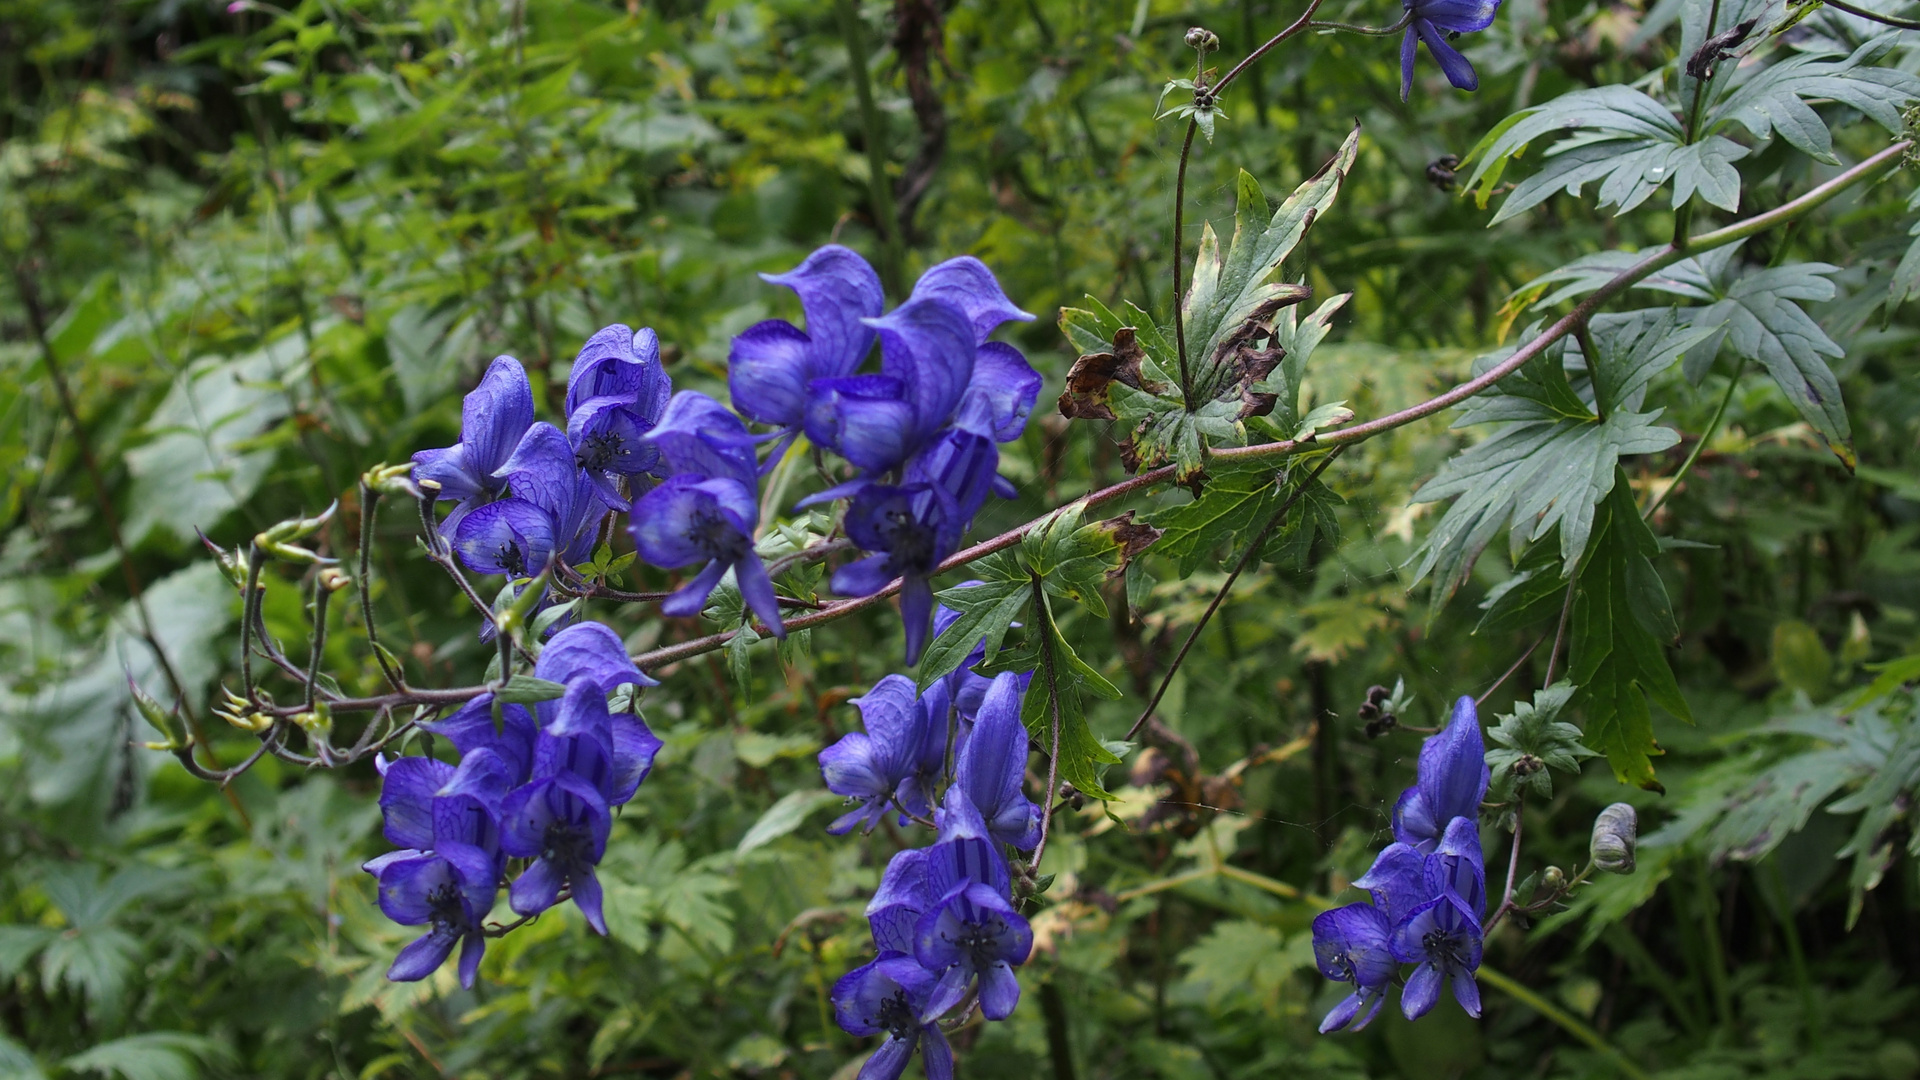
{"type": "Point", "coordinates": [1453, 768]}
{"type": "Point", "coordinates": [634, 747]}
{"type": "Point", "coordinates": [458, 480]}
{"type": "Point", "coordinates": [1397, 880]}
{"type": "Point", "coordinates": [750, 574]}
{"type": "Point", "coordinates": [619, 362]}
{"type": "Point", "coordinates": [591, 651]}
{"type": "Point", "coordinates": [863, 418]}
{"type": "Point", "coordinates": [607, 436]}
{"type": "Point", "coordinates": [928, 345]}
{"type": "Point", "coordinates": [966, 283]}
{"type": "Point", "coordinates": [699, 436]}
{"type": "Point", "coordinates": [1351, 944]}
{"type": "Point", "coordinates": [406, 800]}
{"type": "Point", "coordinates": [495, 415]}
{"type": "Point", "coordinates": [1458, 16]}
{"type": "Point", "coordinates": [768, 368]}
{"type": "Point", "coordinates": [838, 291]}
{"type": "Point", "coordinates": [537, 888]}
{"type": "Point", "coordinates": [1422, 992]}
{"type": "Point", "coordinates": [1001, 395]}
{"type": "Point", "coordinates": [422, 956]}
{"type": "Point", "coordinates": [864, 577]}
{"type": "Point", "coordinates": [1409, 53]}
{"type": "Point", "coordinates": [407, 888]}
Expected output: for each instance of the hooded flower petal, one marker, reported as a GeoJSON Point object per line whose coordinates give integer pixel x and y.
{"type": "Point", "coordinates": [406, 799]}
{"type": "Point", "coordinates": [929, 346]}
{"type": "Point", "coordinates": [966, 283]}
{"type": "Point", "coordinates": [992, 766]}
{"type": "Point", "coordinates": [512, 537]}
{"type": "Point", "coordinates": [698, 436]}
{"type": "Point", "coordinates": [768, 369]}
{"type": "Point", "coordinates": [1457, 69]}
{"type": "Point", "coordinates": [838, 291]}
{"type": "Point", "coordinates": [1000, 397]}
{"type": "Point", "coordinates": [1453, 767]}
{"type": "Point", "coordinates": [1398, 881]}
{"type": "Point", "coordinates": [619, 362]}
{"type": "Point", "coordinates": [866, 419]}
{"type": "Point", "coordinates": [471, 728]}
{"type": "Point", "coordinates": [590, 651]}
{"type": "Point", "coordinates": [1351, 944]}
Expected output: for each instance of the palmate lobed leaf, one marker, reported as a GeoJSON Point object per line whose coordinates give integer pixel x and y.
{"type": "Point", "coordinates": [1128, 368]}
{"type": "Point", "coordinates": [1555, 459]}
{"type": "Point", "coordinates": [1755, 313]}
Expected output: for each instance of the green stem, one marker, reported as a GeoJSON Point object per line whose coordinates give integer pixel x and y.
{"type": "Point", "coordinates": [874, 125]}
{"type": "Point", "coordinates": [1693, 455]}
{"type": "Point", "coordinates": [1566, 1020]}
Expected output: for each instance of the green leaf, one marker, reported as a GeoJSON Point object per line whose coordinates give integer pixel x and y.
{"type": "Point", "coordinates": [1617, 663]}
{"type": "Point", "coordinates": [986, 611]}
{"type": "Point", "coordinates": [527, 690]}
{"type": "Point", "coordinates": [1058, 700]}
{"type": "Point", "coordinates": [153, 1055]}
{"type": "Point", "coordinates": [1624, 139]}
{"type": "Point", "coordinates": [1553, 460]}
{"type": "Point", "coordinates": [1755, 314]}
{"type": "Point", "coordinates": [784, 817]}
{"type": "Point", "coordinates": [1535, 739]}
{"type": "Point", "coordinates": [1535, 593]}
{"type": "Point", "coordinates": [1228, 298]}
{"type": "Point", "coordinates": [1800, 658]}
{"type": "Point", "coordinates": [1237, 499]}
{"type": "Point", "coordinates": [1074, 560]}
{"type": "Point", "coordinates": [1772, 99]}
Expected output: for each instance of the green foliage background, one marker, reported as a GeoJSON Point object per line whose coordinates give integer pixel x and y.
{"type": "Point", "coordinates": [265, 249]}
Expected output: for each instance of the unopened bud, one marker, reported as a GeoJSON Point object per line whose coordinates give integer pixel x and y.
{"type": "Point", "coordinates": [296, 528]}
{"type": "Point", "coordinates": [1203, 39]}
{"type": "Point", "coordinates": [168, 724]}
{"type": "Point", "coordinates": [392, 480]}
{"type": "Point", "coordinates": [1377, 694]}
{"type": "Point", "coordinates": [1615, 832]}
{"type": "Point", "coordinates": [1552, 879]}
{"type": "Point", "coordinates": [317, 723]}
{"type": "Point", "coordinates": [334, 580]}
{"type": "Point", "coordinates": [1527, 765]}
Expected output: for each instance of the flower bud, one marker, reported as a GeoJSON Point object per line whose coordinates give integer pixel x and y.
{"type": "Point", "coordinates": [1527, 765]}
{"type": "Point", "coordinates": [1203, 39]}
{"type": "Point", "coordinates": [332, 580]}
{"type": "Point", "coordinates": [168, 724]}
{"type": "Point", "coordinates": [1552, 879]}
{"type": "Point", "coordinates": [392, 480]}
{"type": "Point", "coordinates": [1615, 832]}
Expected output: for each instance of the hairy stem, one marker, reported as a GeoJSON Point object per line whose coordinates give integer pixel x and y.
{"type": "Point", "coordinates": [1179, 290]}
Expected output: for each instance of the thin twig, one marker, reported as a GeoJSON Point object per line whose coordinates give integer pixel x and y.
{"type": "Point", "coordinates": [1053, 706]}
{"type": "Point", "coordinates": [1499, 682]}
{"type": "Point", "coordinates": [317, 644]}
{"type": "Point", "coordinates": [1560, 635]}
{"type": "Point", "coordinates": [1699, 446]}
{"type": "Point", "coordinates": [1873, 16]}
{"type": "Point", "coordinates": [1513, 868]}
{"type": "Point", "coordinates": [1374, 31]}
{"type": "Point", "coordinates": [1253, 550]}
{"type": "Point", "coordinates": [369, 502]}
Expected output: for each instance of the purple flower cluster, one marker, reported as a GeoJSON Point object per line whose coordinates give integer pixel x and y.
{"type": "Point", "coordinates": [1429, 890]}
{"type": "Point", "coordinates": [943, 919]}
{"type": "Point", "coordinates": [923, 433]}
{"type": "Point", "coordinates": [538, 787]}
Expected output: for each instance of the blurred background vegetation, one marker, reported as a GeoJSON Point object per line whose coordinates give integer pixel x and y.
{"type": "Point", "coordinates": [249, 253]}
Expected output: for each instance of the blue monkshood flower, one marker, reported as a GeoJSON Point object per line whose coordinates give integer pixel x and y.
{"type": "Point", "coordinates": [1453, 779]}
{"type": "Point", "coordinates": [471, 729]}
{"type": "Point", "coordinates": [1351, 944]}
{"type": "Point", "coordinates": [772, 364]}
{"type": "Point", "coordinates": [894, 912]}
{"type": "Point", "coordinates": [912, 529]}
{"type": "Point", "coordinates": [1457, 868]}
{"type": "Point", "coordinates": [992, 767]}
{"type": "Point", "coordinates": [936, 368]}
{"type": "Point", "coordinates": [448, 890]}
{"type": "Point", "coordinates": [447, 819]}
{"type": "Point", "coordinates": [492, 419]}
{"type": "Point", "coordinates": [707, 512]}
{"type": "Point", "coordinates": [551, 513]}
{"type": "Point", "coordinates": [615, 394]}
{"type": "Point", "coordinates": [561, 822]}
{"type": "Point", "coordinates": [887, 997]}
{"type": "Point", "coordinates": [1436, 22]}
{"type": "Point", "coordinates": [581, 767]}
{"type": "Point", "coordinates": [1443, 937]}
{"type": "Point", "coordinates": [589, 651]}
{"type": "Point", "coordinates": [962, 464]}
{"type": "Point", "coordinates": [873, 765]}
{"type": "Point", "coordinates": [973, 932]}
